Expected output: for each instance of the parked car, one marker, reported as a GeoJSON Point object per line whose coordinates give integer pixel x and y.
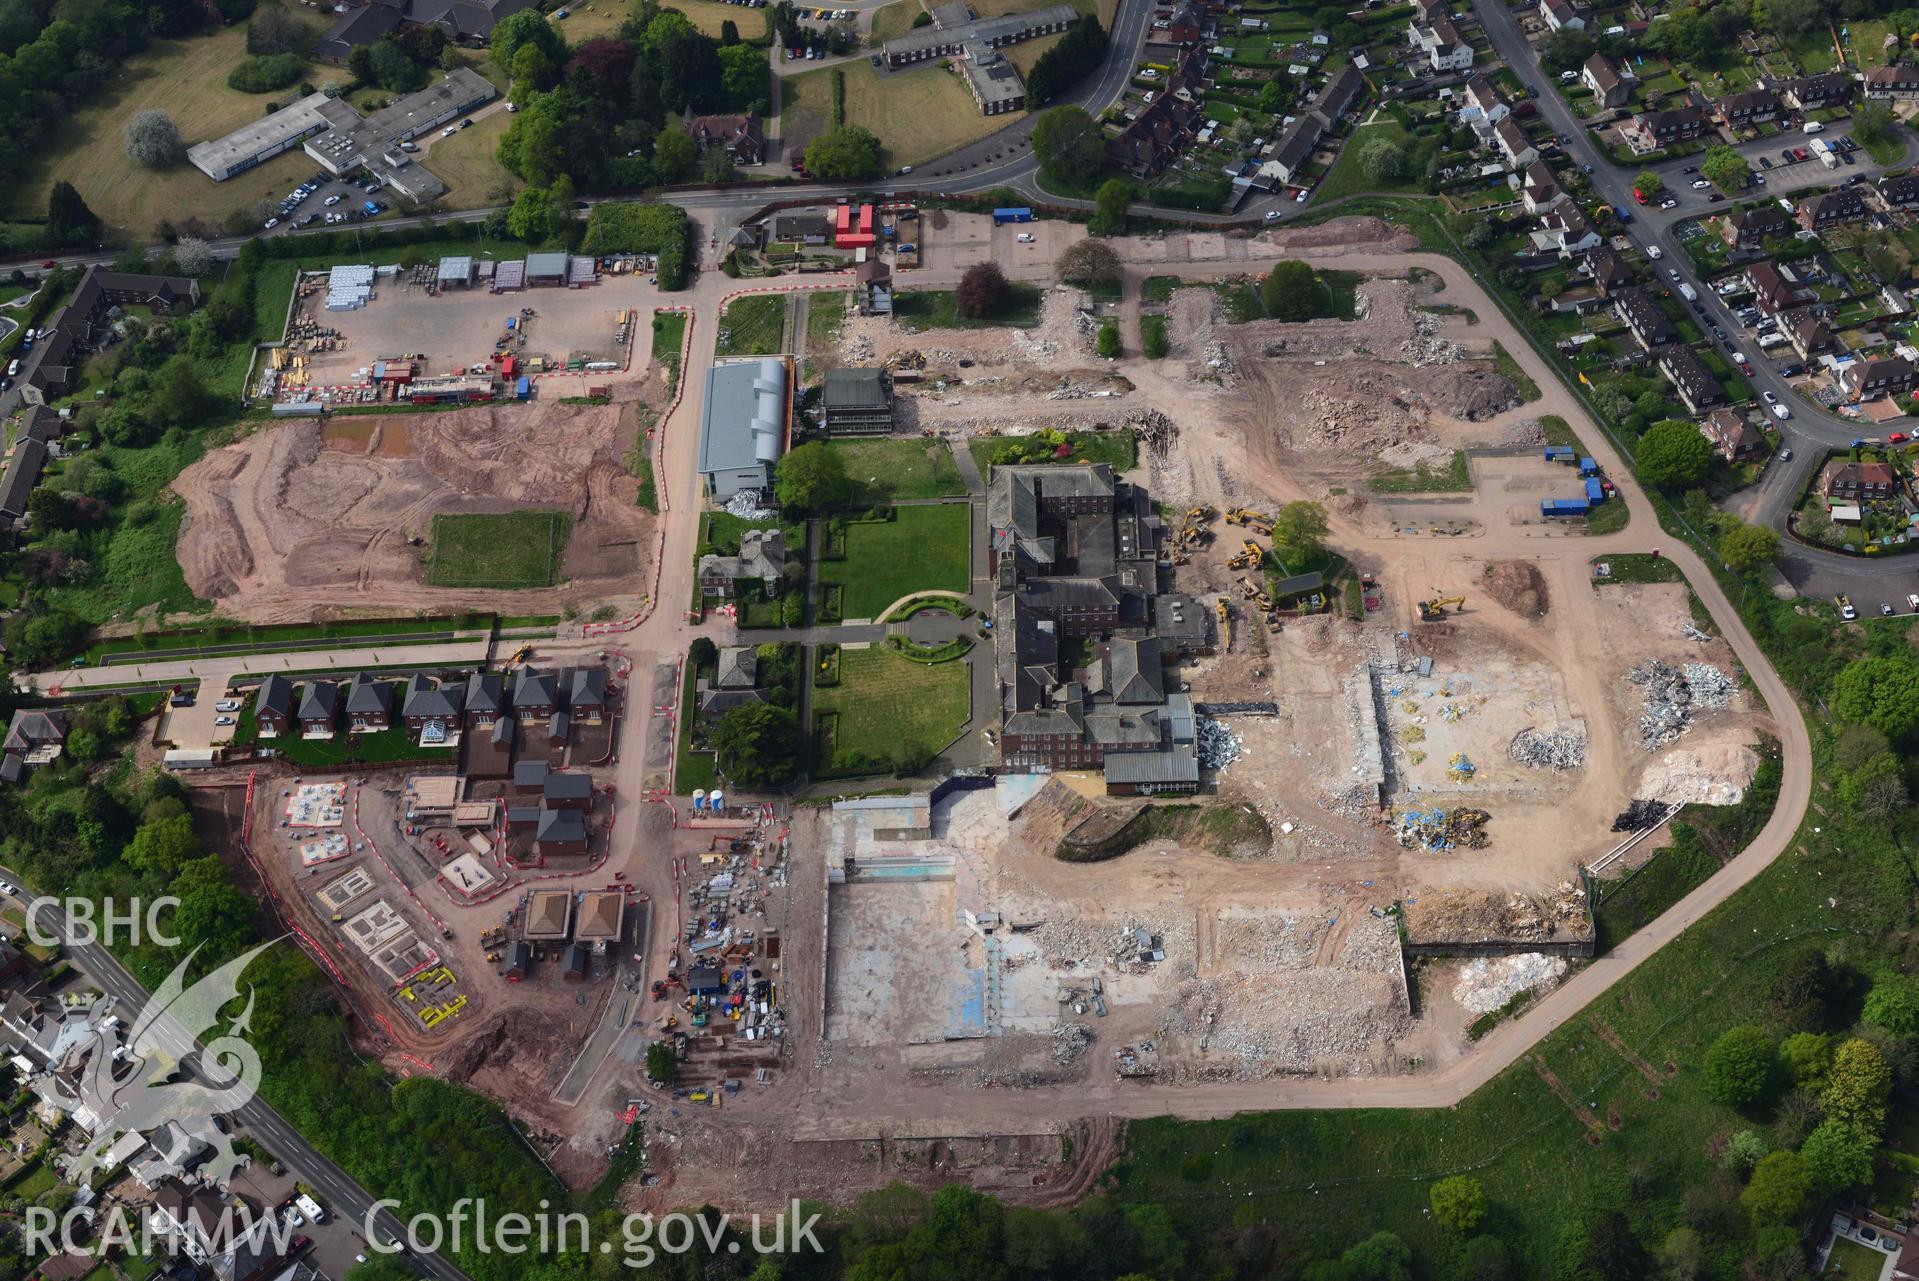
{"type": "Point", "coordinates": [1785, 455]}
{"type": "Point", "coordinates": [1655, 253]}
{"type": "Point", "coordinates": [1896, 438]}
{"type": "Point", "coordinates": [1025, 237]}
{"type": "Point", "coordinates": [8, 887]}
{"type": "Point", "coordinates": [1714, 198]}
{"type": "Point", "coordinates": [334, 200]}
{"type": "Point", "coordinates": [1669, 203]}
{"type": "Point", "coordinates": [228, 720]}
{"type": "Point", "coordinates": [1766, 161]}
{"type": "Point", "coordinates": [1690, 169]}
{"type": "Point", "coordinates": [272, 223]}
{"type": "Point", "coordinates": [1700, 184]}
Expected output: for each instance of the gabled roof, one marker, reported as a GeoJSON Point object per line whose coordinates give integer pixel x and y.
{"type": "Point", "coordinates": [587, 687]}
{"type": "Point", "coordinates": [561, 825]}
{"type": "Point", "coordinates": [425, 699]}
{"type": "Point", "coordinates": [483, 692]}
{"type": "Point", "coordinates": [534, 688]}
{"type": "Point", "coordinates": [318, 700]}
{"type": "Point", "coordinates": [365, 696]}
{"type": "Point", "coordinates": [1133, 671]}
{"type": "Point", "coordinates": [275, 697]}
{"type": "Point", "coordinates": [529, 773]}
{"type": "Point", "coordinates": [561, 786]}
{"type": "Point", "coordinates": [1844, 203]}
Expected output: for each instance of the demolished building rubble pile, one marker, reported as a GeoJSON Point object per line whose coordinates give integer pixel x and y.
{"type": "Point", "coordinates": [1671, 694]}
{"type": "Point", "coordinates": [1440, 829]}
{"type": "Point", "coordinates": [1562, 747]}
{"type": "Point", "coordinates": [1641, 814]}
{"type": "Point", "coordinates": [1154, 431]}
{"type": "Point", "coordinates": [745, 504]}
{"type": "Point", "coordinates": [1488, 983]}
{"type": "Point", "coordinates": [1218, 746]}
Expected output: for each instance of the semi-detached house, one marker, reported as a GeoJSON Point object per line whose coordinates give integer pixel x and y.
{"type": "Point", "coordinates": [1604, 82]}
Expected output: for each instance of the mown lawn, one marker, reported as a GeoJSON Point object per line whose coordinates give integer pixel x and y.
{"type": "Point", "coordinates": [511, 551]}
{"type": "Point", "coordinates": [883, 703]}
{"type": "Point", "coordinates": [888, 470]}
{"type": "Point", "coordinates": [916, 114]}
{"type": "Point", "coordinates": [920, 549]}
{"type": "Point", "coordinates": [466, 163]}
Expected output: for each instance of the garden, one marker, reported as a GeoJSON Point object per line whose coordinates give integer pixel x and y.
{"type": "Point", "coordinates": [870, 561]}
{"type": "Point", "coordinates": [886, 713]}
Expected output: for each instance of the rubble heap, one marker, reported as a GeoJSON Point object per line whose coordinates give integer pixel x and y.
{"type": "Point", "coordinates": [1672, 694]}
{"type": "Point", "coordinates": [1425, 346]}
{"type": "Point", "coordinates": [1070, 1040]}
{"type": "Point", "coordinates": [746, 505]}
{"type": "Point", "coordinates": [1487, 983]}
{"type": "Point", "coordinates": [1561, 748]}
{"type": "Point", "coordinates": [1440, 830]}
{"type": "Point", "coordinates": [1639, 815]}
{"type": "Point", "coordinates": [1154, 431]}
{"type": "Point", "coordinates": [1218, 746]}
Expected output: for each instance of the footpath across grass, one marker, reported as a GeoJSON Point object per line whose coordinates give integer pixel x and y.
{"type": "Point", "coordinates": [511, 551]}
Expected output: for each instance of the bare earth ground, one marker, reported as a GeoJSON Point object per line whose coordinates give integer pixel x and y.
{"type": "Point", "coordinates": [299, 521]}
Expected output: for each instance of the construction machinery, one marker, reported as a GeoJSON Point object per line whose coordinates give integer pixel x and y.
{"type": "Point", "coordinates": [1225, 623]}
{"type": "Point", "coordinates": [1431, 611]}
{"type": "Point", "coordinates": [1249, 555]}
{"type": "Point", "coordinates": [1258, 522]}
{"type": "Point", "coordinates": [519, 656]}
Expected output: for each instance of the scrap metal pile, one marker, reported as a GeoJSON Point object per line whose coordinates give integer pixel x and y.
{"type": "Point", "coordinates": [1560, 748]}
{"type": "Point", "coordinates": [1439, 830]}
{"type": "Point", "coordinates": [1672, 695]}
{"type": "Point", "coordinates": [1218, 746]}
{"type": "Point", "coordinates": [1639, 815]}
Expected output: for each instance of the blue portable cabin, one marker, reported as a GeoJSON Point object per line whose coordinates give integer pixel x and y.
{"type": "Point", "coordinates": [1595, 492]}
{"type": "Point", "coordinates": [1587, 467]}
{"type": "Point", "coordinates": [1558, 453]}
{"type": "Point", "coordinates": [1017, 213]}
{"type": "Point", "coordinates": [1563, 507]}
{"type": "Point", "coordinates": [523, 390]}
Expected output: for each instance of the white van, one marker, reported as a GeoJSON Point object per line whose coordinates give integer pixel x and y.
{"type": "Point", "coordinates": [1813, 126]}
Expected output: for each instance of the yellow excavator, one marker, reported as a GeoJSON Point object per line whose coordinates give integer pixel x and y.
{"type": "Point", "coordinates": [1225, 624]}
{"type": "Point", "coordinates": [518, 656]}
{"type": "Point", "coordinates": [1431, 611]}
{"type": "Point", "coordinates": [1201, 513]}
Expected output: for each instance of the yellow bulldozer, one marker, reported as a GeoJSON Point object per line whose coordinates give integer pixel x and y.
{"type": "Point", "coordinates": [1431, 611]}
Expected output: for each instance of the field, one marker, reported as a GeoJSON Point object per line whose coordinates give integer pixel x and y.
{"type": "Point", "coordinates": [753, 326]}
{"type": "Point", "coordinates": [512, 551]}
{"type": "Point", "coordinates": [916, 114]}
{"type": "Point", "coordinates": [939, 309]}
{"type": "Point", "coordinates": [888, 470]}
{"type": "Point", "coordinates": [466, 165]}
{"type": "Point", "coordinates": [188, 80]}
{"type": "Point", "coordinates": [920, 549]}
{"type": "Point", "coordinates": [884, 702]}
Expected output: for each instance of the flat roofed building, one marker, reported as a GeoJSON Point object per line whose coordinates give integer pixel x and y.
{"type": "Point", "coordinates": [856, 402]}
{"type": "Point", "coordinates": [261, 140]}
{"type": "Point", "coordinates": [743, 425]}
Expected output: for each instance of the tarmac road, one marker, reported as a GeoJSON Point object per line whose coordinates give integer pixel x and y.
{"type": "Point", "coordinates": [349, 1202]}
{"type": "Point", "coordinates": [1811, 430]}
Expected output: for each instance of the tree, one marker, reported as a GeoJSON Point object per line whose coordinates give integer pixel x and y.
{"type": "Point", "coordinates": [1742, 1066]}
{"type": "Point", "coordinates": [1838, 1156]}
{"type": "Point", "coordinates": [1893, 1004]}
{"type": "Point", "coordinates": [757, 745]}
{"type": "Point", "coordinates": [534, 217]}
{"type": "Point", "coordinates": [359, 63]}
{"type": "Point", "coordinates": [1683, 1255]}
{"type": "Point", "coordinates": [1088, 262]}
{"type": "Point", "coordinates": [1876, 790]}
{"type": "Point", "coordinates": [1880, 692]}
{"type": "Point", "coordinates": [1276, 94]}
{"type": "Point", "coordinates": [213, 913]}
{"type": "Point", "coordinates": [1743, 1151]}
{"type": "Point", "coordinates": [1648, 183]}
{"type": "Point", "coordinates": [70, 224]}
{"type": "Point", "coordinates": [1872, 124]}
{"type": "Point", "coordinates": [743, 73]}
{"type": "Point", "coordinates": [811, 477]}
{"type": "Point", "coordinates": [848, 153]}
{"type": "Point", "coordinates": [1109, 208]}
{"type": "Point", "coordinates": [1069, 144]}
{"type": "Point", "coordinates": [1778, 1189]}
{"type": "Point", "coordinates": [1673, 454]}
{"type": "Point", "coordinates": [193, 256]}
{"type": "Point", "coordinates": [1300, 527]}
{"type": "Point", "coordinates": [1079, 51]}
{"type": "Point", "coordinates": [1292, 292]}
{"type": "Point", "coordinates": [662, 1064]}
{"type": "Point", "coordinates": [982, 291]}
{"type": "Point", "coordinates": [153, 140]}
{"type": "Point", "coordinates": [702, 654]}
{"type": "Point", "coordinates": [1384, 161]}
{"type": "Point", "coordinates": [527, 27]}
{"type": "Point", "coordinates": [1566, 49]}
{"type": "Point", "coordinates": [1858, 1086]}
{"type": "Point", "coordinates": [673, 155]}
{"type": "Point", "coordinates": [1106, 344]}
{"type": "Point", "coordinates": [159, 850]}
{"type": "Point", "coordinates": [1791, 17]}
{"type": "Point", "coordinates": [1803, 992]}
{"type": "Point", "coordinates": [717, 166]}
{"type": "Point", "coordinates": [1459, 1203]}
{"type": "Point", "coordinates": [275, 29]}
{"type": "Point", "coordinates": [1806, 1058]}
{"type": "Point", "coordinates": [393, 69]}
{"type": "Point", "coordinates": [1725, 168]}
{"type": "Point", "coordinates": [1746, 548]}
